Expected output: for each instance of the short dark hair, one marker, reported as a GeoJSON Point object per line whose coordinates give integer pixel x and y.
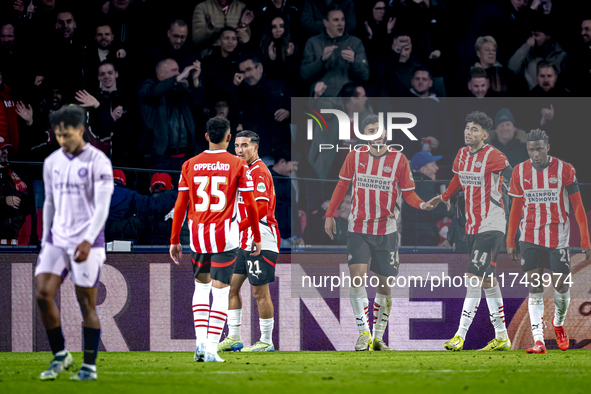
{"type": "Point", "coordinates": [64, 10]}
{"type": "Point", "coordinates": [538, 135]}
{"type": "Point", "coordinates": [334, 7]}
{"type": "Point", "coordinates": [481, 119]}
{"type": "Point", "coordinates": [256, 59]}
{"type": "Point", "coordinates": [228, 28]}
{"type": "Point", "coordinates": [105, 62]}
{"type": "Point", "coordinates": [477, 72]}
{"type": "Point", "coordinates": [422, 68]}
{"type": "Point", "coordinates": [69, 115]}
{"type": "Point", "coordinates": [350, 90]}
{"type": "Point", "coordinates": [178, 22]}
{"type": "Point", "coordinates": [369, 119]}
{"type": "Point", "coordinates": [546, 64]}
{"type": "Point", "coordinates": [254, 137]}
{"type": "Point", "coordinates": [216, 128]}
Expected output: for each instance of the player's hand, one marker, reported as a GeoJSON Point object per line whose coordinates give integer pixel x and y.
{"type": "Point", "coordinates": [87, 99]}
{"type": "Point", "coordinates": [82, 251]}
{"type": "Point", "coordinates": [13, 201]}
{"type": "Point", "coordinates": [238, 78]}
{"type": "Point", "coordinates": [587, 252]}
{"type": "Point", "coordinates": [330, 227]}
{"type": "Point", "coordinates": [256, 248]}
{"type": "Point", "coordinates": [328, 51]}
{"type": "Point", "coordinates": [513, 253]}
{"type": "Point", "coordinates": [348, 55]}
{"type": "Point", "coordinates": [281, 115]}
{"type": "Point", "coordinates": [319, 89]}
{"type": "Point", "coordinates": [176, 253]}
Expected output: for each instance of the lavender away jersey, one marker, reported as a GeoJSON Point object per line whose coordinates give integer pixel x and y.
{"type": "Point", "coordinates": [71, 182]}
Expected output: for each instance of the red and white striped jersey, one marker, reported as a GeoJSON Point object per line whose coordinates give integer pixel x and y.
{"type": "Point", "coordinates": [481, 180]}
{"type": "Point", "coordinates": [213, 179]}
{"type": "Point", "coordinates": [546, 202]}
{"type": "Point", "coordinates": [375, 180]}
{"type": "Point", "coordinates": [263, 190]}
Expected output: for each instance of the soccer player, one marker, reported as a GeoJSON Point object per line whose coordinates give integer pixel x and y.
{"type": "Point", "coordinates": [260, 271]}
{"type": "Point", "coordinates": [480, 170]}
{"type": "Point", "coordinates": [541, 186]}
{"type": "Point", "coordinates": [78, 182]}
{"type": "Point", "coordinates": [376, 172]}
{"type": "Point", "coordinates": [210, 181]}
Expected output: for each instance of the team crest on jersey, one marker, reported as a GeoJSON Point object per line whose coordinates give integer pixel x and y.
{"type": "Point", "coordinates": [553, 180]}
{"type": "Point", "coordinates": [83, 172]}
{"type": "Point", "coordinates": [349, 257]}
{"type": "Point", "coordinates": [261, 187]}
{"type": "Point", "coordinates": [522, 261]}
{"type": "Point", "coordinates": [388, 169]}
{"type": "Point", "coordinates": [478, 164]}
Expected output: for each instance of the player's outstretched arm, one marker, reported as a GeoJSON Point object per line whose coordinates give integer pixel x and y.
{"type": "Point", "coordinates": [514, 219]}
{"type": "Point", "coordinates": [252, 216]}
{"type": "Point", "coordinates": [335, 201]}
{"type": "Point", "coordinates": [581, 218]}
{"type": "Point", "coordinates": [413, 199]}
{"type": "Point", "coordinates": [452, 189]}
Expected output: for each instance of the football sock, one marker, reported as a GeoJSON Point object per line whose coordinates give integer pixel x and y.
{"type": "Point", "coordinates": [469, 309]}
{"type": "Point", "coordinates": [234, 320]}
{"type": "Point", "coordinates": [92, 337]}
{"type": "Point", "coordinates": [267, 330]}
{"type": "Point", "coordinates": [56, 339]}
{"type": "Point", "coordinates": [217, 316]}
{"type": "Point", "coordinates": [382, 305]}
{"type": "Point", "coordinates": [496, 310]}
{"type": "Point", "coordinates": [535, 306]}
{"type": "Point", "coordinates": [561, 301]}
{"type": "Point", "coordinates": [360, 304]}
{"type": "Point", "coordinates": [201, 310]}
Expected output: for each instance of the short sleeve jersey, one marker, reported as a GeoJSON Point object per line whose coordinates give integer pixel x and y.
{"type": "Point", "coordinates": [481, 179]}
{"type": "Point", "coordinates": [375, 180]}
{"type": "Point", "coordinates": [213, 179]}
{"type": "Point", "coordinates": [71, 183]}
{"type": "Point", "coordinates": [546, 204]}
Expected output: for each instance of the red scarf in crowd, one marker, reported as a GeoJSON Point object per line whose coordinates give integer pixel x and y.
{"type": "Point", "coordinates": [8, 107]}
{"type": "Point", "coordinates": [18, 182]}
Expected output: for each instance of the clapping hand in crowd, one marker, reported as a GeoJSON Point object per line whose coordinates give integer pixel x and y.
{"type": "Point", "coordinates": [348, 55]}
{"type": "Point", "coordinates": [86, 99]}
{"type": "Point", "coordinates": [25, 112]}
{"type": "Point", "coordinates": [319, 89]}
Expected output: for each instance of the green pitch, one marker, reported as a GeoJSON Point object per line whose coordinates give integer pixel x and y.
{"type": "Point", "coordinates": [311, 372]}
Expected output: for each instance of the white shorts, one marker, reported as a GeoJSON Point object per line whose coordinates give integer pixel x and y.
{"type": "Point", "coordinates": [57, 261]}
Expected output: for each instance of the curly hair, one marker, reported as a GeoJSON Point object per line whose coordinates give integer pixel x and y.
{"type": "Point", "coordinates": [538, 135]}
{"type": "Point", "coordinates": [216, 128]}
{"type": "Point", "coordinates": [369, 119]}
{"type": "Point", "coordinates": [481, 119]}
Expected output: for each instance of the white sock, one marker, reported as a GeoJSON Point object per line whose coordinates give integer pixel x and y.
{"type": "Point", "coordinates": [496, 310]}
{"type": "Point", "coordinates": [360, 304]}
{"type": "Point", "coordinates": [535, 306]}
{"type": "Point", "coordinates": [201, 310]}
{"type": "Point", "coordinates": [234, 320]}
{"type": "Point", "coordinates": [267, 330]}
{"type": "Point", "coordinates": [217, 316]}
{"type": "Point", "coordinates": [62, 352]}
{"type": "Point", "coordinates": [92, 367]}
{"type": "Point", "coordinates": [469, 309]}
{"type": "Point", "coordinates": [561, 300]}
{"type": "Point", "coordinates": [382, 305]}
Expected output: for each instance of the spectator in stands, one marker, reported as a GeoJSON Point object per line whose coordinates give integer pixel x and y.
{"type": "Point", "coordinates": [128, 23]}
{"type": "Point", "coordinates": [12, 57]}
{"type": "Point", "coordinates": [540, 46]}
{"type": "Point", "coordinates": [314, 14]}
{"type": "Point", "coordinates": [40, 19]}
{"type": "Point", "coordinates": [479, 83]}
{"type": "Point", "coordinates": [281, 172]}
{"type": "Point", "coordinates": [399, 66]}
{"type": "Point", "coordinates": [103, 49]}
{"type": "Point", "coordinates": [579, 61]}
{"type": "Point", "coordinates": [220, 66]}
{"type": "Point", "coordinates": [506, 138]}
{"type": "Point", "coordinates": [8, 120]}
{"type": "Point", "coordinates": [263, 105]}
{"type": "Point", "coordinates": [123, 221]}
{"type": "Point", "coordinates": [176, 46]}
{"type": "Point", "coordinates": [549, 84]}
{"type": "Point", "coordinates": [333, 56]}
{"type": "Point", "coordinates": [169, 134]}
{"type": "Point", "coordinates": [421, 83]}
{"type": "Point", "coordinates": [290, 11]}
{"type": "Point", "coordinates": [420, 227]}
{"type": "Point", "coordinates": [212, 16]}
{"type": "Point", "coordinates": [157, 226]}
{"type": "Point", "coordinates": [280, 53]}
{"type": "Point", "coordinates": [14, 199]}
{"type": "Point", "coordinates": [501, 78]}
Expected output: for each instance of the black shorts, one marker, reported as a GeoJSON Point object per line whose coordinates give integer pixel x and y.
{"type": "Point", "coordinates": [535, 256]}
{"type": "Point", "coordinates": [483, 251]}
{"type": "Point", "coordinates": [259, 269]}
{"type": "Point", "coordinates": [382, 249]}
{"type": "Point", "coordinates": [219, 265]}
